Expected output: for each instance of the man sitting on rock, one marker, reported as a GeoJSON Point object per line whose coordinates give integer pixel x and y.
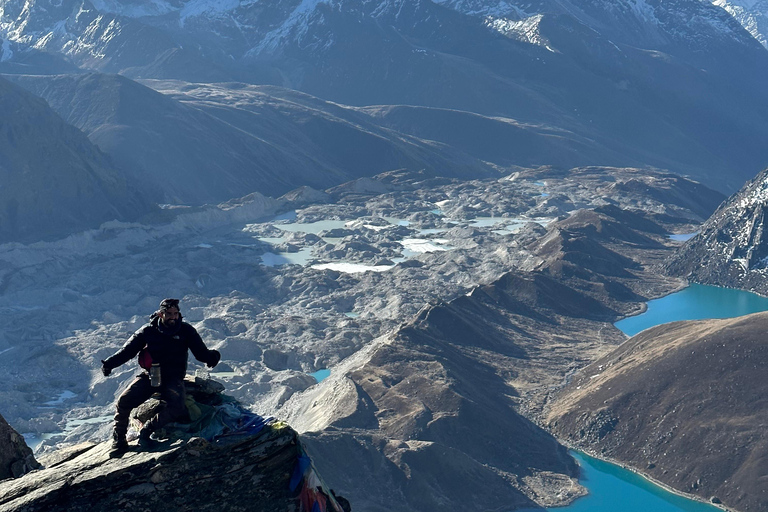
{"type": "Point", "coordinates": [162, 346]}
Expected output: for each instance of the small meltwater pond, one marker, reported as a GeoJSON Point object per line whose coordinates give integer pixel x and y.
{"type": "Point", "coordinates": [321, 374]}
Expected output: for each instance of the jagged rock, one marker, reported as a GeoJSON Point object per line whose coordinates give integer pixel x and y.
{"type": "Point", "coordinates": [16, 457]}
{"type": "Point", "coordinates": [264, 471]}
{"type": "Point", "coordinates": [732, 248]}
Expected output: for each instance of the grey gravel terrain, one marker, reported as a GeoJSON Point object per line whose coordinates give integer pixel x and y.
{"type": "Point", "coordinates": [478, 295]}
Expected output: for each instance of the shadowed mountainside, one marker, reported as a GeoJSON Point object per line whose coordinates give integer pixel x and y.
{"type": "Point", "coordinates": [684, 403]}
{"type": "Point", "coordinates": [208, 143]}
{"type": "Point", "coordinates": [54, 180]}
{"type": "Point", "coordinates": [16, 457]}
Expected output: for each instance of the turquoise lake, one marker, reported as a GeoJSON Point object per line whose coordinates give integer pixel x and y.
{"type": "Point", "coordinates": [695, 302]}
{"type": "Point", "coordinates": [613, 489]}
{"type": "Point", "coordinates": [321, 374]}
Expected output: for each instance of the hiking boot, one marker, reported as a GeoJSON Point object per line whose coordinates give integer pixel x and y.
{"type": "Point", "coordinates": [118, 448]}
{"type": "Point", "coordinates": [145, 441]}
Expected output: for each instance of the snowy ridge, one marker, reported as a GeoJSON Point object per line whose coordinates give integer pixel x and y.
{"type": "Point", "coordinates": [85, 28]}
{"type": "Point", "coordinates": [732, 248]}
{"type": "Point", "coordinates": [526, 30]}
{"type": "Point", "coordinates": [758, 196]}
{"type": "Point", "coordinates": [753, 16]}
{"type": "Point", "coordinates": [295, 26]}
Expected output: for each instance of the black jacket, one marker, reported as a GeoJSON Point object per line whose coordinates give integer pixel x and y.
{"type": "Point", "coordinates": [168, 347]}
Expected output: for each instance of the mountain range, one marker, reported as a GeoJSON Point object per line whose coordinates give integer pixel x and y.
{"type": "Point", "coordinates": [207, 143]}
{"type": "Point", "coordinates": [752, 14]}
{"type": "Point", "coordinates": [676, 85]}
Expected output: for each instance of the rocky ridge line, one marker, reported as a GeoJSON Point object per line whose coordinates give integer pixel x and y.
{"type": "Point", "coordinates": [732, 247]}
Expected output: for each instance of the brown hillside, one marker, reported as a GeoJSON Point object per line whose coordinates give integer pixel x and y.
{"type": "Point", "coordinates": [685, 403]}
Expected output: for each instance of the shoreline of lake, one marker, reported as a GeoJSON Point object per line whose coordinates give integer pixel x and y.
{"type": "Point", "coordinates": [692, 300]}
{"type": "Point", "coordinates": [639, 473]}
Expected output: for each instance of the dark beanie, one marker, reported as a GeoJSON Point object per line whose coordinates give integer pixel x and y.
{"type": "Point", "coordinates": [169, 303]}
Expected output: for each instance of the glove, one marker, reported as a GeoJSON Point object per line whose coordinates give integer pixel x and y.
{"type": "Point", "coordinates": [106, 370]}
{"type": "Point", "coordinates": [215, 357]}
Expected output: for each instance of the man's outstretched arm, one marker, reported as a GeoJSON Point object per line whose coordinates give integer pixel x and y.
{"type": "Point", "coordinates": [130, 350]}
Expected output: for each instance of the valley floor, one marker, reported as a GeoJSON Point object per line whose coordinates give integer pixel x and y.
{"type": "Point", "coordinates": [437, 305]}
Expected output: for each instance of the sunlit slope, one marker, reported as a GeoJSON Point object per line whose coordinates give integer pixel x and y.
{"type": "Point", "coordinates": [683, 402]}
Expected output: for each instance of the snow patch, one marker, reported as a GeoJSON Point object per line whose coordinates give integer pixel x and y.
{"type": "Point", "coordinates": [744, 4]}
{"type": "Point", "coordinates": [352, 268]}
{"type": "Point", "coordinates": [752, 15]}
{"type": "Point", "coordinates": [525, 30]}
{"type": "Point", "coordinates": [420, 246]}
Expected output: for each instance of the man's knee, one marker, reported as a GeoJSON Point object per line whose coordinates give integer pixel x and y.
{"type": "Point", "coordinates": [136, 394]}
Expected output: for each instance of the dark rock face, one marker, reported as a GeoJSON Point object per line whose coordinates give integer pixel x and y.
{"type": "Point", "coordinates": [253, 474]}
{"type": "Point", "coordinates": [732, 247]}
{"type": "Point", "coordinates": [684, 403]}
{"type": "Point", "coordinates": [54, 180]}
{"type": "Point", "coordinates": [16, 457]}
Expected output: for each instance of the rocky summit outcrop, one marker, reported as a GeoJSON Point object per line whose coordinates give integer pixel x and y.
{"type": "Point", "coordinates": [684, 403]}
{"type": "Point", "coordinates": [16, 457]}
{"type": "Point", "coordinates": [732, 248]}
{"type": "Point", "coordinates": [253, 464]}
